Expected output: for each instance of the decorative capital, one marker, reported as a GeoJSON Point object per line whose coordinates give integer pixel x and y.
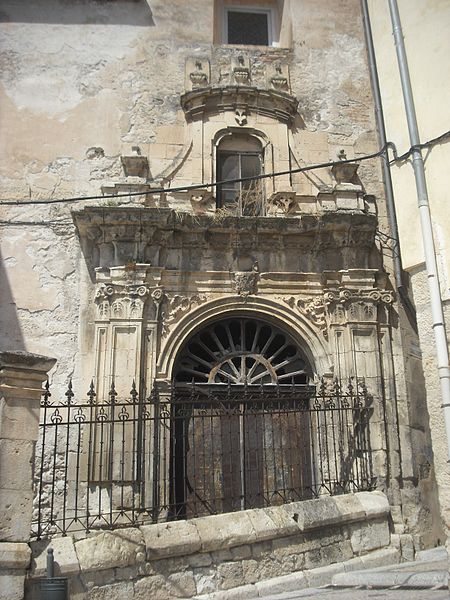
{"type": "Point", "coordinates": [120, 300]}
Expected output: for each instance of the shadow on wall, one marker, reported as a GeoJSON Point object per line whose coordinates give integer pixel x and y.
{"type": "Point", "coordinates": [11, 337]}
{"type": "Point", "coordinates": [73, 12]}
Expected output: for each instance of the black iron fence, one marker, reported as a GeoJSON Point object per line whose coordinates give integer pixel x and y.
{"type": "Point", "coordinates": [196, 450]}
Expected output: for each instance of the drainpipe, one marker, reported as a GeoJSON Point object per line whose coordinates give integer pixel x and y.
{"type": "Point", "coordinates": [437, 312]}
{"type": "Point", "coordinates": [390, 204]}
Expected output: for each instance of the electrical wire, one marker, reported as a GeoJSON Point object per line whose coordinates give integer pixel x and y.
{"type": "Point", "coordinates": [422, 146]}
{"type": "Point", "coordinates": [199, 186]}
{"type": "Point", "coordinates": [163, 190]}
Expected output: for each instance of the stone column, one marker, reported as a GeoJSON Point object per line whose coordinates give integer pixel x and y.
{"type": "Point", "coordinates": [21, 378]}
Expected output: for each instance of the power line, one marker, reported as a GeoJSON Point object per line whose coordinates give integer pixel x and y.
{"type": "Point", "coordinates": [199, 186]}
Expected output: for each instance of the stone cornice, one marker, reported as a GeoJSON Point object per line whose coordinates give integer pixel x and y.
{"type": "Point", "coordinates": [278, 105]}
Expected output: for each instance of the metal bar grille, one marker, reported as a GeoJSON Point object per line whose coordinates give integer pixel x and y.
{"type": "Point", "coordinates": [196, 450]}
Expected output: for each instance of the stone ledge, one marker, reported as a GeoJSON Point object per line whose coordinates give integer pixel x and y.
{"type": "Point", "coordinates": [109, 550]}
{"type": "Point", "coordinates": [125, 547]}
{"type": "Point", "coordinates": [14, 555]}
{"type": "Point", "coordinates": [66, 560]}
{"type": "Point", "coordinates": [26, 361]}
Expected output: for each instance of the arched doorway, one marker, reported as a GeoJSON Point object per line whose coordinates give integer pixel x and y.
{"type": "Point", "coordinates": [241, 432]}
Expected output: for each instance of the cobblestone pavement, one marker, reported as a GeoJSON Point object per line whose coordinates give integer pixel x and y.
{"type": "Point", "coordinates": [363, 594]}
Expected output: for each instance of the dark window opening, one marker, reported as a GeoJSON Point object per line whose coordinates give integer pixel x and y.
{"type": "Point", "coordinates": [243, 198]}
{"type": "Point", "coordinates": [251, 28]}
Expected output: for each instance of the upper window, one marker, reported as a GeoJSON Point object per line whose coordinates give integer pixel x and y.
{"type": "Point", "coordinates": [248, 25]}
{"type": "Point", "coordinates": [252, 22]}
{"type": "Point", "coordinates": [240, 156]}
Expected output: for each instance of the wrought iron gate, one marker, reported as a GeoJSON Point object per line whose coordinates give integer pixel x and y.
{"type": "Point", "coordinates": [193, 450]}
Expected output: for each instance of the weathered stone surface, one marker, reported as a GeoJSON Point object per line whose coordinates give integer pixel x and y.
{"type": "Point", "coordinates": [202, 559]}
{"type": "Point", "coordinates": [322, 575]}
{"type": "Point", "coordinates": [230, 575]}
{"type": "Point", "coordinates": [116, 591]}
{"type": "Point", "coordinates": [375, 504]}
{"type": "Point", "coordinates": [66, 560]}
{"type": "Point", "coordinates": [14, 555]}
{"type": "Point", "coordinates": [15, 510]}
{"type": "Point", "coordinates": [267, 527]}
{"type": "Point", "coordinates": [182, 585]}
{"type": "Point", "coordinates": [225, 531]}
{"type": "Point", "coordinates": [243, 592]}
{"type": "Point", "coordinates": [171, 539]}
{"type": "Point", "coordinates": [407, 547]}
{"type": "Point", "coordinates": [205, 580]}
{"type": "Point", "coordinates": [107, 550]}
{"type": "Point", "coordinates": [285, 583]}
{"type": "Point", "coordinates": [380, 558]}
{"type": "Point", "coordinates": [370, 536]}
{"type": "Point", "coordinates": [241, 552]}
{"type": "Point", "coordinates": [154, 587]}
{"type": "Point", "coordinates": [11, 584]}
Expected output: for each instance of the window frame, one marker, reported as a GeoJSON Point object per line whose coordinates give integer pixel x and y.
{"type": "Point", "coordinates": [248, 8]}
{"type": "Point", "coordinates": [240, 153]}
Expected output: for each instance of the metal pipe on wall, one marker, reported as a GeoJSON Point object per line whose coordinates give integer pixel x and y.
{"type": "Point", "coordinates": [390, 204]}
{"type": "Point", "coordinates": [437, 312]}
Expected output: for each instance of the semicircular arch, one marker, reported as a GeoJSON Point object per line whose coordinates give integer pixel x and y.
{"type": "Point", "coordinates": [314, 349]}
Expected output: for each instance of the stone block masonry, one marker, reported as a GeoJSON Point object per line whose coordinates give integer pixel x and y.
{"type": "Point", "coordinates": [21, 378]}
{"type": "Point", "coordinates": [245, 554]}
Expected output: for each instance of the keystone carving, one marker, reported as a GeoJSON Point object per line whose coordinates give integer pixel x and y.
{"type": "Point", "coordinates": [246, 282]}
{"type": "Point", "coordinates": [241, 116]}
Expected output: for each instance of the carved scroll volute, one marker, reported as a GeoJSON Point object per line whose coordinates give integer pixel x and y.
{"type": "Point", "coordinates": [360, 306]}
{"type": "Point", "coordinates": [120, 301]}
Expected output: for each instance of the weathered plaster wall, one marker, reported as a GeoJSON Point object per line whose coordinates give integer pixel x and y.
{"type": "Point", "coordinates": [427, 45]}
{"type": "Point", "coordinates": [83, 82]}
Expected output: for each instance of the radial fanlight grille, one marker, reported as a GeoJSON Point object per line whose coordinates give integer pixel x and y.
{"type": "Point", "coordinates": [242, 351]}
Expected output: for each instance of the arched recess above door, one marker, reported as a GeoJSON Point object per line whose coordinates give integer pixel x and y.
{"type": "Point", "coordinates": [242, 350]}
{"type": "Point", "coordinates": [316, 350]}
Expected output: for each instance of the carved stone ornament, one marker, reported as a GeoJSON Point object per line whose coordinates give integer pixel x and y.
{"type": "Point", "coordinates": [158, 295]}
{"type": "Point", "coordinates": [279, 81]}
{"type": "Point", "coordinates": [197, 73]}
{"type": "Point", "coordinates": [246, 282]}
{"type": "Point", "coordinates": [201, 200]}
{"type": "Point", "coordinates": [120, 301]}
{"type": "Point", "coordinates": [176, 307]}
{"type": "Point", "coordinates": [241, 71]}
{"type": "Point", "coordinates": [241, 116]}
{"type": "Point", "coordinates": [356, 305]}
{"type": "Point", "coordinates": [198, 77]}
{"type": "Point", "coordinates": [313, 309]}
{"type": "Point", "coordinates": [281, 203]}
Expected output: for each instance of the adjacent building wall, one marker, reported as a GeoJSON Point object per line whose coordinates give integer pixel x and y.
{"type": "Point", "coordinates": [425, 29]}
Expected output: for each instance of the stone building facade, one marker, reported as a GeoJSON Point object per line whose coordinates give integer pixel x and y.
{"type": "Point", "coordinates": [133, 108]}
